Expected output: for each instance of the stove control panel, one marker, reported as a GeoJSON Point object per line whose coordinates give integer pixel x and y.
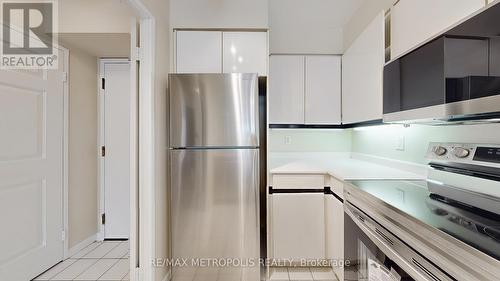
{"type": "Point", "coordinates": [479, 154]}
{"type": "Point", "coordinates": [487, 154]}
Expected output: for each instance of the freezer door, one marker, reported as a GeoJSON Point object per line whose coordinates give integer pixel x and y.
{"type": "Point", "coordinates": [215, 213]}
{"type": "Point", "coordinates": [214, 110]}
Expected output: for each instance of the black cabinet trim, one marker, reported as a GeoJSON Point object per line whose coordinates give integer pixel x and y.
{"type": "Point", "coordinates": [342, 126]}
{"type": "Point", "coordinates": [329, 191]}
{"type": "Point", "coordinates": [326, 190]}
{"type": "Point", "coordinates": [295, 190]}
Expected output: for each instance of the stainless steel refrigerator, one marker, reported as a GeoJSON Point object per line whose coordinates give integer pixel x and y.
{"type": "Point", "coordinates": [214, 154]}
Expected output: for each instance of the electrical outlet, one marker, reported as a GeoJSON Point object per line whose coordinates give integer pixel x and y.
{"type": "Point", "coordinates": [288, 140]}
{"type": "Point", "coordinates": [400, 143]}
{"type": "Point", "coordinates": [401, 195]}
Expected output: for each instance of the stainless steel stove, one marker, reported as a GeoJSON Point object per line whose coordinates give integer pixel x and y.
{"type": "Point", "coordinates": [444, 228]}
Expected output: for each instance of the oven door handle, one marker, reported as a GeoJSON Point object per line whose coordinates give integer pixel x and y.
{"type": "Point", "coordinates": [387, 245]}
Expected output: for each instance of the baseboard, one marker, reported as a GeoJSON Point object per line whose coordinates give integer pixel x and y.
{"type": "Point", "coordinates": [80, 246]}
{"type": "Point", "coordinates": [167, 276]}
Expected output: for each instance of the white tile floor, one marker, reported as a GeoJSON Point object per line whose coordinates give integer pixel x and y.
{"type": "Point", "coordinates": [302, 273]}
{"type": "Point", "coordinates": [108, 260]}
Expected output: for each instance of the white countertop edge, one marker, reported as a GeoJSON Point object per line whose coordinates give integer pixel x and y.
{"type": "Point", "coordinates": [419, 169]}
{"type": "Point", "coordinates": [390, 169]}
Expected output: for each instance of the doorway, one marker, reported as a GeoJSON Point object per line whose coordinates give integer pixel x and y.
{"type": "Point", "coordinates": [114, 137]}
{"type": "Point", "coordinates": [141, 52]}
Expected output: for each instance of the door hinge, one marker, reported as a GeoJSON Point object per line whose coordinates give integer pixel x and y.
{"type": "Point", "coordinates": [103, 219]}
{"type": "Point", "coordinates": [63, 235]}
{"type": "Point", "coordinates": [137, 53]}
{"type": "Point", "coordinates": [103, 83]}
{"type": "Point", "coordinates": [103, 151]}
{"type": "Point", "coordinates": [65, 77]}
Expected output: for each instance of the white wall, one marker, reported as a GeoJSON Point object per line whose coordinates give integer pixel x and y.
{"type": "Point", "coordinates": [82, 188]}
{"type": "Point", "coordinates": [218, 13]}
{"type": "Point", "coordinates": [313, 26]}
{"type": "Point", "coordinates": [94, 16]}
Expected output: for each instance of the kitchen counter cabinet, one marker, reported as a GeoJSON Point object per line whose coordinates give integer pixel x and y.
{"type": "Point", "coordinates": [305, 222]}
{"type": "Point", "coordinates": [298, 226]}
{"type": "Point", "coordinates": [299, 223]}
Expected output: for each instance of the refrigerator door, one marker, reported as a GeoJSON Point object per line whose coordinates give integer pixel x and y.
{"type": "Point", "coordinates": [214, 110]}
{"type": "Point", "coordinates": [215, 215]}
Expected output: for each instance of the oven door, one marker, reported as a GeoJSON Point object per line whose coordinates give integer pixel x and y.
{"type": "Point", "coordinates": [373, 253]}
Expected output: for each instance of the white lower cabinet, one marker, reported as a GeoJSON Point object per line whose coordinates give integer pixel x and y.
{"type": "Point", "coordinates": [335, 234]}
{"type": "Point", "coordinates": [298, 226]}
{"type": "Point", "coordinates": [306, 226]}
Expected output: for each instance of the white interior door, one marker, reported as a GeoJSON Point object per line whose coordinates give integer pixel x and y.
{"type": "Point", "coordinates": [116, 140]}
{"type": "Point", "coordinates": [31, 171]}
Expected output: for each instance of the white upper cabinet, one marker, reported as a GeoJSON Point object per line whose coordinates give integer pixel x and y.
{"type": "Point", "coordinates": [245, 52]}
{"type": "Point", "coordinates": [362, 75]}
{"type": "Point", "coordinates": [286, 89]}
{"type": "Point", "coordinates": [199, 52]}
{"type": "Point", "coordinates": [305, 89]}
{"type": "Point", "coordinates": [221, 52]}
{"type": "Point", "coordinates": [323, 90]}
{"type": "Point", "coordinates": [413, 22]}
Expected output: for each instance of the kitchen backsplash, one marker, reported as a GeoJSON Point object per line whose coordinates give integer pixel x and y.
{"type": "Point", "coordinates": [388, 141]}
{"type": "Point", "coordinates": [385, 141]}
{"type": "Point", "coordinates": [309, 140]}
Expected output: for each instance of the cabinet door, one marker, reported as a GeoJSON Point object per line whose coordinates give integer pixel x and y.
{"type": "Point", "coordinates": [286, 89]}
{"type": "Point", "coordinates": [323, 90]}
{"type": "Point", "coordinates": [199, 52]}
{"type": "Point", "coordinates": [335, 232]}
{"type": "Point", "coordinates": [245, 52]}
{"type": "Point", "coordinates": [298, 226]}
{"type": "Point", "coordinates": [413, 22]}
{"type": "Point", "coordinates": [362, 75]}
